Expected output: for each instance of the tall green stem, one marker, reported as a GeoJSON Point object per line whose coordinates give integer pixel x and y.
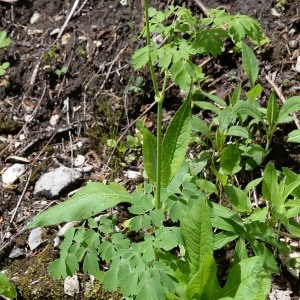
{"type": "Point", "coordinates": [153, 76]}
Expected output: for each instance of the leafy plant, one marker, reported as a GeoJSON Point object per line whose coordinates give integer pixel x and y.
{"type": "Point", "coordinates": [7, 289]}
{"type": "Point", "coordinates": [4, 42]}
{"type": "Point", "coordinates": [62, 71]}
{"type": "Point", "coordinates": [165, 248]}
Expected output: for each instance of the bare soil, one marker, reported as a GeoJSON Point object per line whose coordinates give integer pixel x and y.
{"type": "Point", "coordinates": [44, 116]}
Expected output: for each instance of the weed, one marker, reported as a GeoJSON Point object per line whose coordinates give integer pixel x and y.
{"type": "Point", "coordinates": [4, 42]}
{"type": "Point", "coordinates": [165, 250]}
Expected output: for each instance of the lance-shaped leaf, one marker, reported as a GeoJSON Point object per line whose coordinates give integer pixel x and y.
{"type": "Point", "coordinates": [197, 233]}
{"type": "Point", "coordinates": [290, 106]}
{"type": "Point", "coordinates": [250, 64]}
{"type": "Point", "coordinates": [175, 142]}
{"type": "Point", "coordinates": [89, 201]}
{"type": "Point", "coordinates": [149, 154]}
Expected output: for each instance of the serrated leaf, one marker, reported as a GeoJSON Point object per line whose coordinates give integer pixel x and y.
{"type": "Point", "coordinates": [182, 73]}
{"type": "Point", "coordinates": [89, 201]}
{"type": "Point", "coordinates": [238, 198]}
{"type": "Point", "coordinates": [204, 284]}
{"type": "Point", "coordinates": [175, 143]}
{"type": "Point", "coordinates": [294, 136]}
{"type": "Point", "coordinates": [197, 233]}
{"type": "Point", "coordinates": [291, 105]}
{"type": "Point", "coordinates": [240, 252]}
{"type": "Point", "coordinates": [230, 160]}
{"type": "Point", "coordinates": [250, 64]}
{"type": "Point", "coordinates": [58, 269]}
{"type": "Point", "coordinates": [225, 118]}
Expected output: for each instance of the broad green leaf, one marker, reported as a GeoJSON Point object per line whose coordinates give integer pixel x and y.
{"type": "Point", "coordinates": [197, 234]}
{"type": "Point", "coordinates": [294, 136]}
{"type": "Point", "coordinates": [254, 93]}
{"type": "Point", "coordinates": [267, 256]}
{"type": "Point", "coordinates": [207, 186]}
{"type": "Point", "coordinates": [225, 219]}
{"type": "Point", "coordinates": [258, 214]}
{"type": "Point", "coordinates": [225, 118]}
{"type": "Point", "coordinates": [252, 184]}
{"type": "Point", "coordinates": [149, 154]}
{"type": "Point", "coordinates": [261, 231]}
{"type": "Point", "coordinates": [89, 201]}
{"type": "Point", "coordinates": [175, 143]}
{"type": "Point", "coordinates": [240, 252]}
{"type": "Point", "coordinates": [230, 160]}
{"type": "Point", "coordinates": [140, 58]}
{"type": "Point", "coordinates": [244, 108]}
{"type": "Point", "coordinates": [272, 109]}
{"type": "Point", "coordinates": [199, 125]}
{"type": "Point", "coordinates": [254, 155]}
{"type": "Point", "coordinates": [238, 198]}
{"type": "Point", "coordinates": [243, 280]}
{"type": "Point", "coordinates": [250, 64]}
{"type": "Point", "coordinates": [204, 105]}
{"type": "Point", "coordinates": [223, 238]}
{"type": "Point", "coordinates": [290, 106]}
{"type": "Point", "coordinates": [270, 184]}
{"type": "Point", "coordinates": [223, 178]}
{"type": "Point", "coordinates": [293, 227]}
{"type": "Point", "coordinates": [238, 131]}
{"type": "Point", "coordinates": [204, 284]}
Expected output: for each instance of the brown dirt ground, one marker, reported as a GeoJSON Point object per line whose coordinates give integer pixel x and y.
{"type": "Point", "coordinates": [97, 45]}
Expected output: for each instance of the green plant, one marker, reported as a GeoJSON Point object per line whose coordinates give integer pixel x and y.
{"type": "Point", "coordinates": [6, 288]}
{"type": "Point", "coordinates": [4, 42]}
{"type": "Point", "coordinates": [165, 249]}
{"type": "Point", "coordinates": [62, 71]}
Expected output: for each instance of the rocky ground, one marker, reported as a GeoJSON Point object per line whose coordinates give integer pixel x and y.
{"type": "Point", "coordinates": [70, 87]}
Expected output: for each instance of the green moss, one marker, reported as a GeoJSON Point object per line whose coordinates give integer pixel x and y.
{"type": "Point", "coordinates": [8, 126]}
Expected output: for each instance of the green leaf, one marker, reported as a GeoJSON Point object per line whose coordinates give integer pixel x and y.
{"type": "Point", "coordinates": [207, 186]}
{"type": "Point", "coordinates": [4, 41]}
{"type": "Point", "coordinates": [272, 109]}
{"type": "Point", "coordinates": [254, 93]}
{"type": "Point", "coordinates": [89, 201]}
{"type": "Point", "coordinates": [198, 125]}
{"type": "Point", "coordinates": [238, 131]}
{"type": "Point", "coordinates": [182, 73]}
{"type": "Point", "coordinates": [6, 288]}
{"type": "Point", "coordinates": [267, 256]}
{"type": "Point", "coordinates": [250, 64]}
{"type": "Point", "coordinates": [236, 96]}
{"type": "Point", "coordinates": [243, 108]}
{"type": "Point", "coordinates": [270, 184]}
{"type": "Point", "coordinates": [230, 160]}
{"type": "Point", "coordinates": [223, 238]}
{"type": "Point", "coordinates": [149, 154]}
{"type": "Point", "coordinates": [294, 136]}
{"type": "Point", "coordinates": [290, 106]}
{"type": "Point", "coordinates": [238, 198]}
{"type": "Point", "coordinates": [240, 252]}
{"type": "Point", "coordinates": [243, 280]}
{"type": "Point", "coordinates": [204, 284]}
{"type": "Point", "coordinates": [58, 269]}
{"type": "Point", "coordinates": [225, 118]}
{"type": "Point", "coordinates": [215, 99]}
{"type": "Point", "coordinates": [197, 234]}
{"type": "Point", "coordinates": [204, 105]}
{"type": "Point", "coordinates": [175, 143]}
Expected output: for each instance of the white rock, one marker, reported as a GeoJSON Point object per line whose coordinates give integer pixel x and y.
{"type": "Point", "coordinates": [71, 285]}
{"type": "Point", "coordinates": [297, 66]}
{"type": "Point", "coordinates": [12, 173]}
{"type": "Point", "coordinates": [35, 238]}
{"type": "Point", "coordinates": [79, 160]}
{"type": "Point", "coordinates": [36, 15]}
{"type": "Point", "coordinates": [54, 120]}
{"type": "Point", "coordinates": [133, 174]}
{"type": "Point", "coordinates": [54, 183]}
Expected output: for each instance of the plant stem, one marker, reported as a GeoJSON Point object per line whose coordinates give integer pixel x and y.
{"type": "Point", "coordinates": [160, 100]}
{"type": "Point", "coordinates": [153, 76]}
